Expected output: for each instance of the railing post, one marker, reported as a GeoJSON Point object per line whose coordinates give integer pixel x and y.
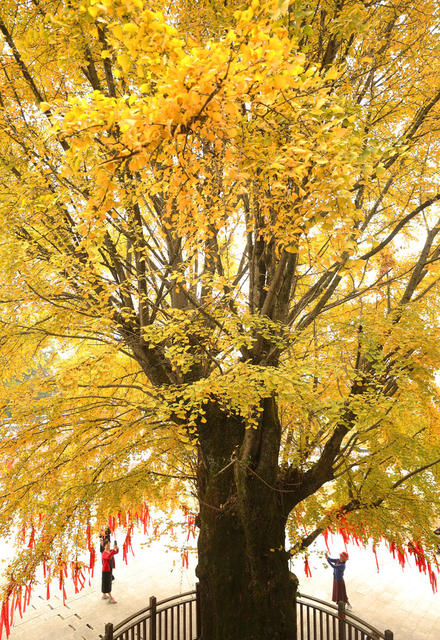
{"type": "Point", "coordinates": [198, 612]}
{"type": "Point", "coordinates": [341, 620]}
{"type": "Point", "coordinates": [108, 632]}
{"type": "Point", "coordinates": [388, 635]}
{"type": "Point", "coordinates": [295, 605]}
{"type": "Point", "coordinates": [153, 621]}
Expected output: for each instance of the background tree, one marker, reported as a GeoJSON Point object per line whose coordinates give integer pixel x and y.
{"type": "Point", "coordinates": [219, 252]}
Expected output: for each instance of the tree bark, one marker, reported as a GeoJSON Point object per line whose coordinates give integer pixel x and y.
{"type": "Point", "coordinates": [246, 590]}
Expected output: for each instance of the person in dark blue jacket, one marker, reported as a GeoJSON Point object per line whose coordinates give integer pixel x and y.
{"type": "Point", "coordinates": [339, 591]}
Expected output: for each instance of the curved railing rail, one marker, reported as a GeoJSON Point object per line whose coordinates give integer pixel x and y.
{"type": "Point", "coordinates": [177, 618]}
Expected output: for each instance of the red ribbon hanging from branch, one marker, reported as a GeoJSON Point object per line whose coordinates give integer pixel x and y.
{"type": "Point", "coordinates": [19, 601]}
{"type": "Point", "coordinates": [112, 523]}
{"type": "Point", "coordinates": [191, 523]}
{"type": "Point", "coordinates": [32, 538]}
{"type": "Point", "coordinates": [307, 569]}
{"type": "Point", "coordinates": [11, 613]}
{"type": "Point", "coordinates": [27, 594]}
{"type": "Point", "coordinates": [401, 556]}
{"type": "Point", "coordinates": [375, 555]}
{"type": "Point", "coordinates": [92, 561]}
{"type": "Point", "coordinates": [126, 546]}
{"type": "Point", "coordinates": [4, 620]}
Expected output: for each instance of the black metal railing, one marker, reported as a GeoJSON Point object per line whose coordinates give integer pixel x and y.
{"type": "Point", "coordinates": [320, 620]}
{"type": "Point", "coordinates": [177, 618]}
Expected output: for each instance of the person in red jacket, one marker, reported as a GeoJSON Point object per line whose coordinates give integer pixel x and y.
{"type": "Point", "coordinates": [106, 582]}
{"type": "Point", "coordinates": [103, 539]}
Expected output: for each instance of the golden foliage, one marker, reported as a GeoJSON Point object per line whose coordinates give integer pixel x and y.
{"type": "Point", "coordinates": [216, 204]}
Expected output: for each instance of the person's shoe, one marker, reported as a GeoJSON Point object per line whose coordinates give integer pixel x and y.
{"type": "Point", "coordinates": [112, 601]}
{"type": "Point", "coordinates": [104, 597]}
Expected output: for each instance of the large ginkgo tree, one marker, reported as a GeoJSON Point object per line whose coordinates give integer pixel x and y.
{"type": "Point", "coordinates": [219, 261]}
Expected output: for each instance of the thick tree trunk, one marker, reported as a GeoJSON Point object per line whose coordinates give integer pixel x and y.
{"type": "Point", "coordinates": [245, 586]}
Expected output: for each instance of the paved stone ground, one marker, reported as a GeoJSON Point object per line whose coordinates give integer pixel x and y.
{"type": "Point", "coordinates": [398, 600]}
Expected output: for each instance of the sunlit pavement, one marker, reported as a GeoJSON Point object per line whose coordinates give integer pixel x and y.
{"type": "Point", "coordinates": [401, 601]}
